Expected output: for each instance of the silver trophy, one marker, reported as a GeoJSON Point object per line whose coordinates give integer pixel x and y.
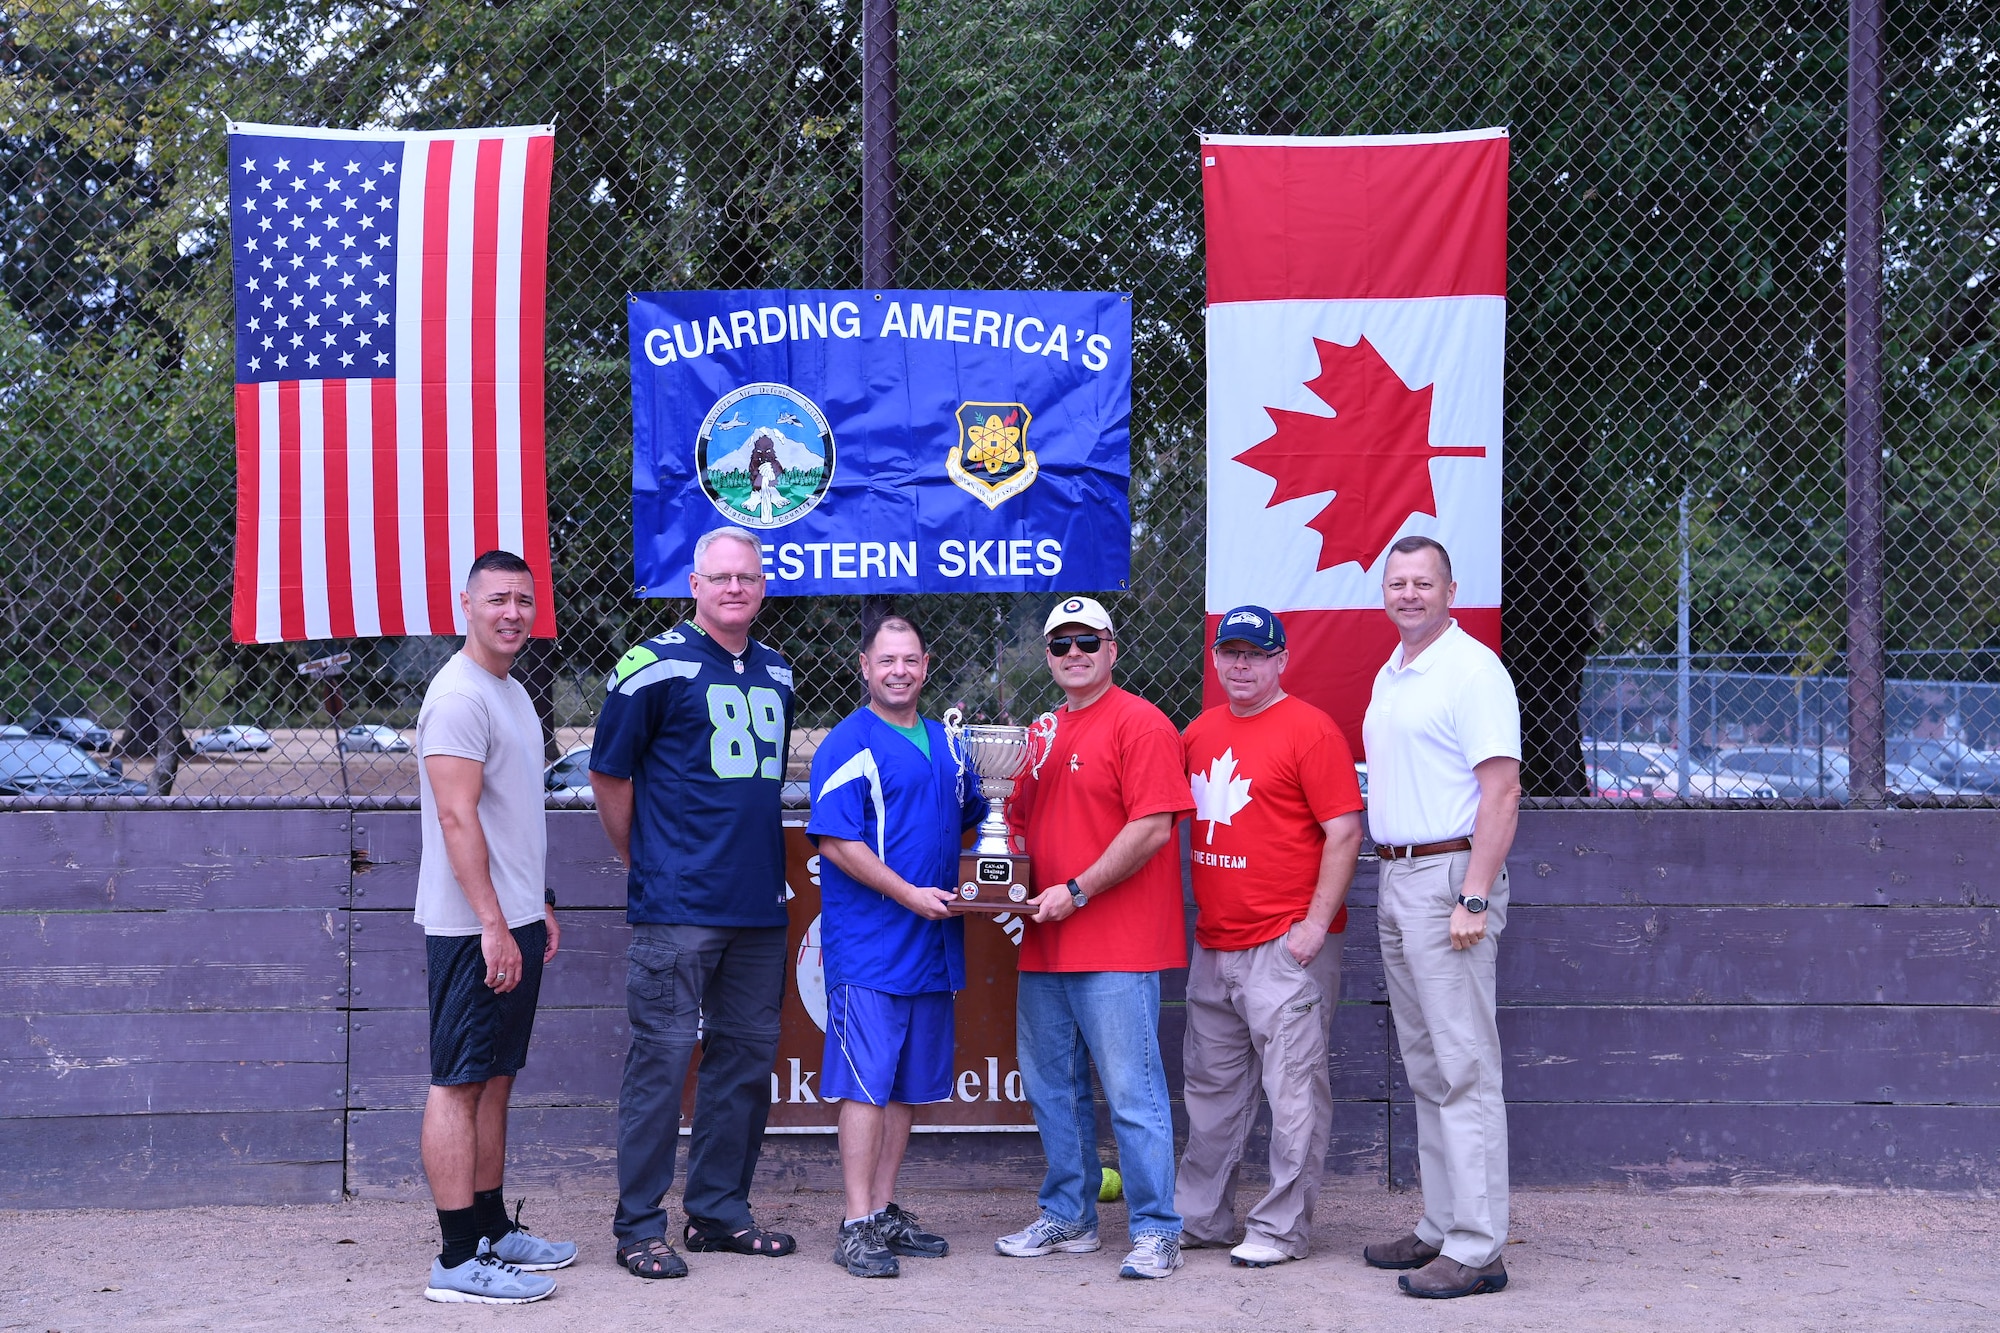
{"type": "Point", "coordinates": [992, 876]}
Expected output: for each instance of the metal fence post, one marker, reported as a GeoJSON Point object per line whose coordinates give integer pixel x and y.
{"type": "Point", "coordinates": [1865, 700]}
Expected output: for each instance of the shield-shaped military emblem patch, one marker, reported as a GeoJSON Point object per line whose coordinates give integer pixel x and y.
{"type": "Point", "coordinates": [992, 460]}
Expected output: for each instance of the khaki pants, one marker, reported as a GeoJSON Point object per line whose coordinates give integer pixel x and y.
{"type": "Point", "coordinates": [1256, 1018]}
{"type": "Point", "coordinates": [1443, 1002]}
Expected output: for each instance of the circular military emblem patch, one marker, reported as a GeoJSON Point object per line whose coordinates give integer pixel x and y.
{"type": "Point", "coordinates": [764, 455]}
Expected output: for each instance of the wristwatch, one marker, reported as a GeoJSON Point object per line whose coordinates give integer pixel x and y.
{"type": "Point", "coordinates": [1472, 904]}
{"type": "Point", "coordinates": [1077, 894]}
{"type": "Point", "coordinates": [549, 896]}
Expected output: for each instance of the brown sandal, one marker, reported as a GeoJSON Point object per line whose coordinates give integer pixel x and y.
{"type": "Point", "coordinates": [652, 1256]}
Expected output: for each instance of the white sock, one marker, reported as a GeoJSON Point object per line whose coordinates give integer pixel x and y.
{"type": "Point", "coordinates": [856, 1221]}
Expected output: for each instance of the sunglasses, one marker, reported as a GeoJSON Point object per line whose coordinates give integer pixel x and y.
{"type": "Point", "coordinates": [1059, 646]}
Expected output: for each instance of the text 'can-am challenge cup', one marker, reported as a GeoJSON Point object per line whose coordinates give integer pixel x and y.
{"type": "Point", "coordinates": [992, 876]}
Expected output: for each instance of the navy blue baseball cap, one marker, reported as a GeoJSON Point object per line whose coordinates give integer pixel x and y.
{"type": "Point", "coordinates": [1254, 626]}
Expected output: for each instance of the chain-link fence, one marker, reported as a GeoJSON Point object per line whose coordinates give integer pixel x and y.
{"type": "Point", "coordinates": [1675, 366]}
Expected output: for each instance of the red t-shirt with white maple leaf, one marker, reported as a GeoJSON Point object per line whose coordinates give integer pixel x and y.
{"type": "Point", "coordinates": [1262, 787]}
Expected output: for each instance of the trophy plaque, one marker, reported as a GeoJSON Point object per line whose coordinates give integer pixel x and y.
{"type": "Point", "coordinates": [992, 876]}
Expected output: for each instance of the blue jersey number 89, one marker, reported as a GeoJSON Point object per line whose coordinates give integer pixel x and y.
{"type": "Point", "coordinates": [740, 722]}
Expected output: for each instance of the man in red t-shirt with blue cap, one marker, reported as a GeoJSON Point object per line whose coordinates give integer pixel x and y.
{"type": "Point", "coordinates": [1277, 828]}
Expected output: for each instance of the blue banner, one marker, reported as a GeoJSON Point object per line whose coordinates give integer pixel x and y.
{"type": "Point", "coordinates": [894, 441]}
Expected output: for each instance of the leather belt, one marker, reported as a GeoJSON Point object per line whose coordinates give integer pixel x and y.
{"type": "Point", "coordinates": [1406, 850]}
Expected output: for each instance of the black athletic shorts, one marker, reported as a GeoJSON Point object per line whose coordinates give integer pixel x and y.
{"type": "Point", "coordinates": [477, 1034]}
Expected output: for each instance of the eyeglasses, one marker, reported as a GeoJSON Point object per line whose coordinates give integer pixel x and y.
{"type": "Point", "coordinates": [1233, 656]}
{"type": "Point", "coordinates": [1059, 646]}
{"type": "Point", "coordinates": [731, 580]}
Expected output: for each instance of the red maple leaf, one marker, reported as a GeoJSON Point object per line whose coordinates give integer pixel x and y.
{"type": "Point", "coordinates": [1373, 454]}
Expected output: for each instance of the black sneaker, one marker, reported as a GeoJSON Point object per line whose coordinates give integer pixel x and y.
{"type": "Point", "coordinates": [900, 1232]}
{"type": "Point", "coordinates": [862, 1252]}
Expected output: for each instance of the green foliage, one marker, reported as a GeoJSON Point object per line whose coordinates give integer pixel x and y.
{"type": "Point", "coordinates": [1675, 318]}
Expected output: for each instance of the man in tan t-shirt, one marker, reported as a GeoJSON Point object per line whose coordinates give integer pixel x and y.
{"type": "Point", "coordinates": [489, 926]}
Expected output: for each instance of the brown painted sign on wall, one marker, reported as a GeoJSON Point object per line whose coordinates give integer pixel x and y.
{"type": "Point", "coordinates": [986, 1089]}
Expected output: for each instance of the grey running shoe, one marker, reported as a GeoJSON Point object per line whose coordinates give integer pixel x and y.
{"type": "Point", "coordinates": [1048, 1236]}
{"type": "Point", "coordinates": [861, 1250]}
{"type": "Point", "coordinates": [900, 1232]}
{"type": "Point", "coordinates": [484, 1280]}
{"type": "Point", "coordinates": [529, 1252]}
{"type": "Point", "coordinates": [1153, 1256]}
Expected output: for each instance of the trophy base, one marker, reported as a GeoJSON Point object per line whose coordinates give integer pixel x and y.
{"type": "Point", "coordinates": [991, 885]}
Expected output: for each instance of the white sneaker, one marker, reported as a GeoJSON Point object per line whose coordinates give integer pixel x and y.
{"type": "Point", "coordinates": [1250, 1254]}
{"type": "Point", "coordinates": [1153, 1256]}
{"type": "Point", "coordinates": [1048, 1236]}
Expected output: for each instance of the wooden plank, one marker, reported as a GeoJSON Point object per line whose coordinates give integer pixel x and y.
{"type": "Point", "coordinates": [588, 971]}
{"type": "Point", "coordinates": [581, 867]}
{"type": "Point", "coordinates": [1880, 858]}
{"type": "Point", "coordinates": [112, 962]}
{"type": "Point", "coordinates": [559, 1149]}
{"type": "Point", "coordinates": [157, 859]}
{"type": "Point", "coordinates": [577, 1058]}
{"type": "Point", "coordinates": [1827, 1054]}
{"type": "Point", "coordinates": [171, 1161]}
{"type": "Point", "coordinates": [1739, 955]}
{"type": "Point", "coordinates": [574, 1150]}
{"type": "Point", "coordinates": [157, 1063]}
{"type": "Point", "coordinates": [1664, 1145]}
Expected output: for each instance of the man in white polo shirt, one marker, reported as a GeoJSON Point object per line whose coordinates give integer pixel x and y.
{"type": "Point", "coordinates": [1443, 737]}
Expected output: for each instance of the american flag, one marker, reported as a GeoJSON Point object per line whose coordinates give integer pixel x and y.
{"type": "Point", "coordinates": [389, 302]}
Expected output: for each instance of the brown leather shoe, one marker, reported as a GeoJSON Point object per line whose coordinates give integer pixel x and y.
{"type": "Point", "coordinates": [1402, 1252]}
{"type": "Point", "coordinates": [1448, 1278]}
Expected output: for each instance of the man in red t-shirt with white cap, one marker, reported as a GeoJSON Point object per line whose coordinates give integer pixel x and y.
{"type": "Point", "coordinates": [1099, 814]}
{"type": "Point", "coordinates": [1277, 828]}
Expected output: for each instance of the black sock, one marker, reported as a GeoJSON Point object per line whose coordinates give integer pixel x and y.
{"type": "Point", "coordinates": [491, 1210]}
{"type": "Point", "coordinates": [461, 1235]}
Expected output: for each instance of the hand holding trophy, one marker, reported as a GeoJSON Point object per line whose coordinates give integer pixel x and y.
{"type": "Point", "coordinates": [992, 876]}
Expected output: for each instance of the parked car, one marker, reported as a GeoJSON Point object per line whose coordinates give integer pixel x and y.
{"type": "Point", "coordinates": [373, 737]}
{"type": "Point", "coordinates": [1625, 777]}
{"type": "Point", "coordinates": [12, 731]}
{"type": "Point", "coordinates": [231, 739]}
{"type": "Point", "coordinates": [40, 766]}
{"type": "Point", "coordinates": [1792, 771]}
{"type": "Point", "coordinates": [79, 731]}
{"type": "Point", "coordinates": [1646, 764]}
{"type": "Point", "coordinates": [568, 778]}
{"type": "Point", "coordinates": [1952, 763]}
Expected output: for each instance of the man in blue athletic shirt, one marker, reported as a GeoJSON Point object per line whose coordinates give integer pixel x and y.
{"type": "Point", "coordinates": [687, 766]}
{"type": "Point", "coordinates": [889, 808]}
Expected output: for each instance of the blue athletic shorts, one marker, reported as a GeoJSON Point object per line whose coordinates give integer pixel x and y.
{"type": "Point", "coordinates": [883, 1048]}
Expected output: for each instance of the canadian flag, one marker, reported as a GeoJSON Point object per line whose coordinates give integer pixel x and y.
{"type": "Point", "coordinates": [1357, 318]}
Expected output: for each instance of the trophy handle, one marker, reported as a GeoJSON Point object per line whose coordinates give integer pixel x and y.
{"type": "Point", "coordinates": [1041, 742]}
{"type": "Point", "coordinates": [954, 740]}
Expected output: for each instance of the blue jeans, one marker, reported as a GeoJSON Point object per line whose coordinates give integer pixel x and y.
{"type": "Point", "coordinates": [1066, 1021]}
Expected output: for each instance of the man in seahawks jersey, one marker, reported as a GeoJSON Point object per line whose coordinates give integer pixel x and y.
{"type": "Point", "coordinates": [687, 765]}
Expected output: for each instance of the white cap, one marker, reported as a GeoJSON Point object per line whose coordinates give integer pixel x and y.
{"type": "Point", "coordinates": [1077, 611]}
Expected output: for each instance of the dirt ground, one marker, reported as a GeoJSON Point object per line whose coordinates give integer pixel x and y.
{"type": "Point", "coordinates": [1705, 1260]}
